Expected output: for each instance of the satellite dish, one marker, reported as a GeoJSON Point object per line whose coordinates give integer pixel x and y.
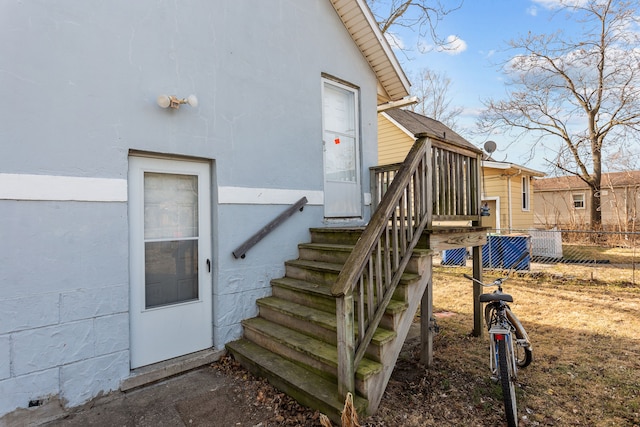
{"type": "Point", "coordinates": [490, 147]}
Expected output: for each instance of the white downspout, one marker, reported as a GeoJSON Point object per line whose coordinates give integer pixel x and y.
{"type": "Point", "coordinates": [509, 207]}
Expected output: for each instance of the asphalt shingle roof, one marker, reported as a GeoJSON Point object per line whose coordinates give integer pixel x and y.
{"type": "Point", "coordinates": [417, 123]}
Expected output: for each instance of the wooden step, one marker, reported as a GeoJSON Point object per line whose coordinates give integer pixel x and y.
{"type": "Point", "coordinates": [318, 296]}
{"type": "Point", "coordinates": [325, 273]}
{"type": "Point", "coordinates": [338, 254]}
{"type": "Point", "coordinates": [309, 294]}
{"type": "Point", "coordinates": [302, 384]}
{"type": "Point", "coordinates": [314, 354]}
{"type": "Point", "coordinates": [317, 323]}
{"type": "Point", "coordinates": [337, 235]}
{"type": "Point", "coordinates": [325, 252]}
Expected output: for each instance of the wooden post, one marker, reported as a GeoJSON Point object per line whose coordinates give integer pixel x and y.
{"type": "Point", "coordinates": [426, 329]}
{"type": "Point", "coordinates": [426, 304]}
{"type": "Point", "coordinates": [478, 324]}
{"type": "Point", "coordinates": [346, 345]}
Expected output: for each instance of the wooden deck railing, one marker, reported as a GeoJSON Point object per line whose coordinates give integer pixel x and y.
{"type": "Point", "coordinates": [455, 182]}
{"type": "Point", "coordinates": [372, 272]}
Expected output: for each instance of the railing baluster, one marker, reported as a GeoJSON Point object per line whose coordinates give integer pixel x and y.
{"type": "Point", "coordinates": [362, 320]}
{"type": "Point", "coordinates": [379, 276]}
{"type": "Point", "coordinates": [370, 289]}
{"type": "Point", "coordinates": [403, 228]}
{"type": "Point", "coordinates": [394, 239]}
{"type": "Point", "coordinates": [387, 257]}
{"type": "Point", "coordinates": [409, 214]}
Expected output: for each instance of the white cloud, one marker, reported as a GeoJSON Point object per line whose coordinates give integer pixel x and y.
{"type": "Point", "coordinates": [554, 4]}
{"type": "Point", "coordinates": [533, 11]}
{"type": "Point", "coordinates": [424, 47]}
{"type": "Point", "coordinates": [454, 45]}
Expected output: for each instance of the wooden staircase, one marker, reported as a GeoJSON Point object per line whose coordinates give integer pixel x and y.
{"type": "Point", "coordinates": [293, 341]}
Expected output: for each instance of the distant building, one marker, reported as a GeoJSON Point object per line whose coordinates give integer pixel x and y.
{"type": "Point", "coordinates": [566, 201]}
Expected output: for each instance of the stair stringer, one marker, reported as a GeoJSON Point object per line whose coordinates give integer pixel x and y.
{"type": "Point", "coordinates": [390, 356]}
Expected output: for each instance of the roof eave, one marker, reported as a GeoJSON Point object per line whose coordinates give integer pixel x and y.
{"type": "Point", "coordinates": [393, 83]}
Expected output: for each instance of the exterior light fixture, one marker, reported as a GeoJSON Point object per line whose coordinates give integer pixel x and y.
{"type": "Point", "coordinates": [166, 101]}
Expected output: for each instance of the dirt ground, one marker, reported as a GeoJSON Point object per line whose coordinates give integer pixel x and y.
{"type": "Point", "coordinates": [586, 369]}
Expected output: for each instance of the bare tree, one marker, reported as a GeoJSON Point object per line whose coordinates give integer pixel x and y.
{"type": "Point", "coordinates": [421, 16]}
{"type": "Point", "coordinates": [584, 93]}
{"type": "Point", "coordinates": [432, 90]}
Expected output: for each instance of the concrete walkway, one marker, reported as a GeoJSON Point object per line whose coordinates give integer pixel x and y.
{"type": "Point", "coordinates": [204, 396]}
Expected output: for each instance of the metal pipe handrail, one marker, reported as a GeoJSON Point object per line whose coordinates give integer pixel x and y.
{"type": "Point", "coordinates": [240, 251]}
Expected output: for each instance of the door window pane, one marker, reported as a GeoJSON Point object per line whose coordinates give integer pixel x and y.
{"type": "Point", "coordinates": [340, 158]}
{"type": "Point", "coordinates": [340, 134]}
{"type": "Point", "coordinates": [171, 272]}
{"type": "Point", "coordinates": [170, 206]}
{"type": "Point", "coordinates": [171, 238]}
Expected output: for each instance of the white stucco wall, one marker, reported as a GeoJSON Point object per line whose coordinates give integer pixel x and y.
{"type": "Point", "coordinates": [79, 82]}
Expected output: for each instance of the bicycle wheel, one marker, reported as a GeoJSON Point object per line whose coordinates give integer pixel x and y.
{"type": "Point", "coordinates": [506, 380]}
{"type": "Point", "coordinates": [523, 353]}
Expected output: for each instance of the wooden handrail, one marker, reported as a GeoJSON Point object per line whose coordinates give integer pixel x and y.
{"type": "Point", "coordinates": [240, 251]}
{"type": "Point", "coordinates": [373, 270]}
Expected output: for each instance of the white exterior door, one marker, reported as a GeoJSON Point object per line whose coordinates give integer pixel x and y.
{"type": "Point", "coordinates": [341, 142]}
{"type": "Point", "coordinates": [170, 259]}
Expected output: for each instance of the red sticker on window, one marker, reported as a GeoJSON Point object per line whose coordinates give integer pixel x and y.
{"type": "Point", "coordinates": [337, 140]}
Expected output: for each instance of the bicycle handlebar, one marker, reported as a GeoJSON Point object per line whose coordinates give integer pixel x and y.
{"type": "Point", "coordinates": [499, 281]}
{"type": "Point", "coordinates": [496, 282]}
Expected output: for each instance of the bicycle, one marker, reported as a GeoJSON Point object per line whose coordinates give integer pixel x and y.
{"type": "Point", "coordinates": [502, 325]}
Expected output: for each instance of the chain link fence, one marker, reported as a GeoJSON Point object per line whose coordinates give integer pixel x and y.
{"type": "Point", "coordinates": [611, 257]}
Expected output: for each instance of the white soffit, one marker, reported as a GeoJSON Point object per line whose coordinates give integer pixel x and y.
{"type": "Point", "coordinates": [362, 26]}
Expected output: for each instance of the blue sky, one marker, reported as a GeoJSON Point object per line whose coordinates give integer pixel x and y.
{"type": "Point", "coordinates": [483, 28]}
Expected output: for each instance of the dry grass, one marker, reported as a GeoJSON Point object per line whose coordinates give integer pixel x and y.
{"type": "Point", "coordinates": [615, 255]}
{"type": "Point", "coordinates": [586, 369]}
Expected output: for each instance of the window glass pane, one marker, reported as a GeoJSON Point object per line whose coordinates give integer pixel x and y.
{"type": "Point", "coordinates": [170, 206]}
{"type": "Point", "coordinates": [171, 272]}
{"type": "Point", "coordinates": [340, 134]}
{"type": "Point", "coordinates": [340, 158]}
{"type": "Point", "coordinates": [525, 193]}
{"type": "Point", "coordinates": [578, 201]}
{"type": "Point", "coordinates": [339, 108]}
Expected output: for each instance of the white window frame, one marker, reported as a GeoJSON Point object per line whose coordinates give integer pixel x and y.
{"type": "Point", "coordinates": [573, 200]}
{"type": "Point", "coordinates": [526, 194]}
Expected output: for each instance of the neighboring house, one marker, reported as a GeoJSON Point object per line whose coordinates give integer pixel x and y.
{"type": "Point", "coordinates": [119, 217]}
{"type": "Point", "coordinates": [566, 201]}
{"type": "Point", "coordinates": [397, 129]}
{"type": "Point", "coordinates": [508, 191]}
{"type": "Point", "coordinates": [507, 188]}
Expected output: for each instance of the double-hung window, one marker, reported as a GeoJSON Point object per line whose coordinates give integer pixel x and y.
{"type": "Point", "coordinates": [525, 194]}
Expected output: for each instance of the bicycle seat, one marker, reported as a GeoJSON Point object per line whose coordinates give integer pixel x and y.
{"type": "Point", "coordinates": [496, 296]}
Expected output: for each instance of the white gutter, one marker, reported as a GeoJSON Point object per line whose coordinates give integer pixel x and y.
{"type": "Point", "coordinates": [505, 166]}
{"type": "Point", "coordinates": [509, 207]}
